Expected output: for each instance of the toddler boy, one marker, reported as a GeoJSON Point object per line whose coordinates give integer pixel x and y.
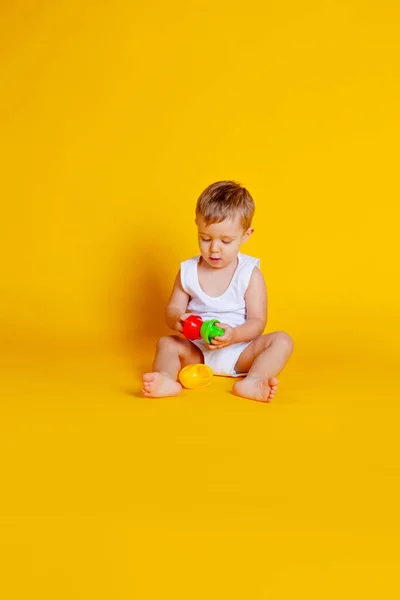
{"type": "Point", "coordinates": [222, 283]}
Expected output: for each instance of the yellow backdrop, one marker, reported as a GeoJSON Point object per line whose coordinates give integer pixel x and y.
{"type": "Point", "coordinates": [114, 117]}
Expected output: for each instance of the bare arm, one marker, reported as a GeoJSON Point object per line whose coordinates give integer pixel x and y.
{"type": "Point", "coordinates": [256, 298]}
{"type": "Point", "coordinates": [177, 304]}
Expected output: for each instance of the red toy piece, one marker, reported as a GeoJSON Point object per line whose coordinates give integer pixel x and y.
{"type": "Point", "coordinates": [192, 326]}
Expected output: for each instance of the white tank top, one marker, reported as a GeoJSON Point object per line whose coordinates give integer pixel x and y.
{"type": "Point", "coordinates": [228, 308]}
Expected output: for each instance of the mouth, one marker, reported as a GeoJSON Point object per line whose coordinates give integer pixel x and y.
{"type": "Point", "coordinates": [215, 260]}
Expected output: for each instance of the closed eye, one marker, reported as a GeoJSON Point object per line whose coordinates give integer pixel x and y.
{"type": "Point", "coordinates": [223, 241]}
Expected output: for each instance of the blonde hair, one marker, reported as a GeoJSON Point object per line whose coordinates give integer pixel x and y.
{"type": "Point", "coordinates": [224, 200]}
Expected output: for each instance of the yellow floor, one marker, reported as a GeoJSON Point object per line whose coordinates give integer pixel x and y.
{"type": "Point", "coordinates": [106, 494]}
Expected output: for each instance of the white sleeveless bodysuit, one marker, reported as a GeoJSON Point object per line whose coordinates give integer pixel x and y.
{"type": "Point", "coordinates": [228, 308]}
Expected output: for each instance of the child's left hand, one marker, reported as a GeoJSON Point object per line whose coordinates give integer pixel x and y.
{"type": "Point", "coordinates": [224, 340]}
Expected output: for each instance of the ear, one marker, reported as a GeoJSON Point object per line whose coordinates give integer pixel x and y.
{"type": "Point", "coordinates": [248, 234]}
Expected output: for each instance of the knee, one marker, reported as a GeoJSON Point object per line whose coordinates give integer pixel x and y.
{"type": "Point", "coordinates": [168, 341]}
{"type": "Point", "coordinates": [285, 341]}
{"type": "Point", "coordinates": [172, 343]}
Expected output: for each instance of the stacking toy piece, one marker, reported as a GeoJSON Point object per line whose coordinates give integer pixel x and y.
{"type": "Point", "coordinates": [195, 377]}
{"type": "Point", "coordinates": [194, 328]}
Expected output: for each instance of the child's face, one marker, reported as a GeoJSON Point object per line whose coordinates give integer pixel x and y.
{"type": "Point", "coordinates": [220, 243]}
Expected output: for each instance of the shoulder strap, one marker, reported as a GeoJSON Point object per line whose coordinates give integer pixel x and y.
{"type": "Point", "coordinates": [188, 274]}
{"type": "Point", "coordinates": [248, 264]}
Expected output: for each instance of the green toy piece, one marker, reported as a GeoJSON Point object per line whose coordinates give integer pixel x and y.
{"type": "Point", "coordinates": [209, 330]}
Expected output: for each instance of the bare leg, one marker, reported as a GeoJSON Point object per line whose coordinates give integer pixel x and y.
{"type": "Point", "coordinates": [172, 354]}
{"type": "Point", "coordinates": [265, 360]}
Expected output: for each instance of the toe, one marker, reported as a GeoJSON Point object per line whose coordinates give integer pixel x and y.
{"type": "Point", "coordinates": [147, 377]}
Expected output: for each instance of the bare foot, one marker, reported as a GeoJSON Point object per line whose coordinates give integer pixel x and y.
{"type": "Point", "coordinates": [256, 388]}
{"type": "Point", "coordinates": [158, 385]}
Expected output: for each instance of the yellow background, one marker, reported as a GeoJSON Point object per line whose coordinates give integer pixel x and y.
{"type": "Point", "coordinates": [114, 117]}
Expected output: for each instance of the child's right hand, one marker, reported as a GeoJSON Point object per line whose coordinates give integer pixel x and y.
{"type": "Point", "coordinates": [180, 321]}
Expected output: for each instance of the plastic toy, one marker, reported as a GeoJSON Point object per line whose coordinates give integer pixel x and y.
{"type": "Point", "coordinates": [195, 377]}
{"type": "Point", "coordinates": [194, 328]}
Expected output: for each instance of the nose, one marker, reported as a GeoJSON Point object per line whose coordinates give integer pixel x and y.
{"type": "Point", "coordinates": [214, 249]}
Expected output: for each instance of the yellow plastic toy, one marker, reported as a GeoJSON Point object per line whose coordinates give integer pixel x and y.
{"type": "Point", "coordinates": [195, 377]}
